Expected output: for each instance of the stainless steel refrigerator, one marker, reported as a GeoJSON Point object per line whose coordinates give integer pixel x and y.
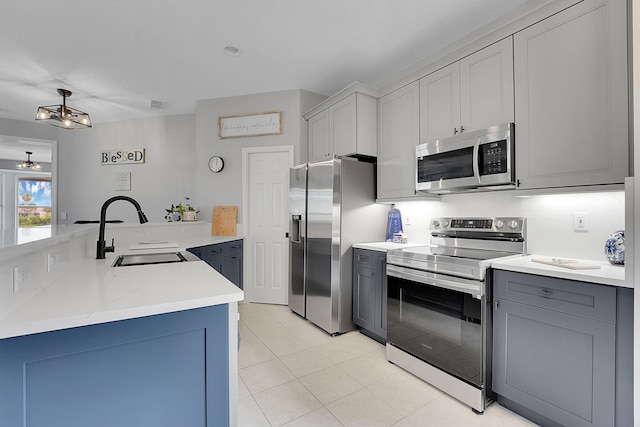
{"type": "Point", "coordinates": [332, 206]}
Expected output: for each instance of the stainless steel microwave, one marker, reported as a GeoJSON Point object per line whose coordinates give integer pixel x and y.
{"type": "Point", "coordinates": [475, 160]}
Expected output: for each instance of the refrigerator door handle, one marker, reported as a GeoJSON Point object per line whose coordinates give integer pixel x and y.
{"type": "Point", "coordinates": [296, 231]}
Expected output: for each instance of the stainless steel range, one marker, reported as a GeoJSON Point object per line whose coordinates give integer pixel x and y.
{"type": "Point", "coordinates": [439, 303]}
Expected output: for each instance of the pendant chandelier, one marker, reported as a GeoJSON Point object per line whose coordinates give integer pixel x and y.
{"type": "Point", "coordinates": [28, 164]}
{"type": "Point", "coordinates": [63, 116]}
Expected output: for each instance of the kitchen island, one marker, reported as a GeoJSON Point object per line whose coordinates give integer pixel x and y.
{"type": "Point", "coordinates": [139, 345]}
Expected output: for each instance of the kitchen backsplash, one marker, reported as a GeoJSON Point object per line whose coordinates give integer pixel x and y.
{"type": "Point", "coordinates": [550, 218]}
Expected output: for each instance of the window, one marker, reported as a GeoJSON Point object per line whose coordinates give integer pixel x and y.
{"type": "Point", "coordinates": [34, 202]}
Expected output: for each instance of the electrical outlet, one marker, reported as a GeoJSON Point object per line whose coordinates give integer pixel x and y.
{"type": "Point", "coordinates": [580, 221]}
{"type": "Point", "coordinates": [21, 275]}
{"type": "Point", "coordinates": [52, 259]}
{"type": "Point", "coordinates": [407, 220]}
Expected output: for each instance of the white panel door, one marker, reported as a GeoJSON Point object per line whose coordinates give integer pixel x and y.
{"type": "Point", "coordinates": [267, 216]}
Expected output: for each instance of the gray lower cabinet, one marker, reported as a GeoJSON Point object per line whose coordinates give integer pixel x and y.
{"type": "Point", "coordinates": [554, 349]}
{"type": "Point", "coordinates": [225, 258]}
{"type": "Point", "coordinates": [370, 293]}
{"type": "Point", "coordinates": [232, 269]}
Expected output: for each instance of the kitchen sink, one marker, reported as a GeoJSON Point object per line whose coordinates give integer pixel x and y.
{"type": "Point", "coordinates": [154, 258]}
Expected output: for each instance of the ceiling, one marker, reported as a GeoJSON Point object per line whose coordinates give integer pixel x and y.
{"type": "Point", "coordinates": [118, 55]}
{"type": "Point", "coordinates": [15, 149]}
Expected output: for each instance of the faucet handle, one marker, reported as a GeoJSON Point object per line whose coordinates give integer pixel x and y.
{"type": "Point", "coordinates": [111, 248]}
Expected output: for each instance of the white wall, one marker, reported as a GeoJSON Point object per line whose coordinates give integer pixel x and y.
{"type": "Point", "coordinates": [550, 218]}
{"type": "Point", "coordinates": [635, 29]}
{"type": "Point", "coordinates": [166, 177]}
{"type": "Point", "coordinates": [177, 151]}
{"type": "Point", "coordinates": [23, 129]}
{"type": "Point", "coordinates": [225, 188]}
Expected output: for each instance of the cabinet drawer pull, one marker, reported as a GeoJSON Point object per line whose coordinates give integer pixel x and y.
{"type": "Point", "coordinates": [545, 293]}
{"type": "Point", "coordinates": [363, 258]}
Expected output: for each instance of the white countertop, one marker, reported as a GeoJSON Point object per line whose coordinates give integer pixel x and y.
{"type": "Point", "coordinates": [607, 274]}
{"type": "Point", "coordinates": [92, 292]}
{"type": "Point", "coordinates": [385, 246]}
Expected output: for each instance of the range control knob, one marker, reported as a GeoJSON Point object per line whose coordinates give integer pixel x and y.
{"type": "Point", "coordinates": [445, 223]}
{"type": "Point", "coordinates": [436, 223]}
{"type": "Point", "coordinates": [513, 224]}
{"type": "Point", "coordinates": [499, 224]}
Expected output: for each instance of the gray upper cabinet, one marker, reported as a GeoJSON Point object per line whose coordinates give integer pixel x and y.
{"type": "Point", "coordinates": [345, 128]}
{"type": "Point", "coordinates": [571, 97]}
{"type": "Point", "coordinates": [486, 86]}
{"type": "Point", "coordinates": [473, 93]}
{"type": "Point", "coordinates": [398, 130]}
{"type": "Point", "coordinates": [440, 103]}
{"type": "Point", "coordinates": [319, 145]}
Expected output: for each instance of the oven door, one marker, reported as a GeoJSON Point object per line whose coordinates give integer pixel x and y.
{"type": "Point", "coordinates": [442, 320]}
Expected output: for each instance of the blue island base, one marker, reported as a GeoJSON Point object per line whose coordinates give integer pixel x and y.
{"type": "Point", "coordinates": [163, 370]}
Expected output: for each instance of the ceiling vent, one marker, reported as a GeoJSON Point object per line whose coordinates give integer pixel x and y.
{"type": "Point", "coordinates": [157, 105]}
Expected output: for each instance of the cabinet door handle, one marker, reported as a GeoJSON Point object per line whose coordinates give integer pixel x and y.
{"type": "Point", "coordinates": [496, 304]}
{"type": "Point", "coordinates": [455, 131]}
{"type": "Point", "coordinates": [461, 128]}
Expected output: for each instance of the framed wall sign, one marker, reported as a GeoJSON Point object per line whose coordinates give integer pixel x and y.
{"type": "Point", "coordinates": [250, 125]}
{"type": "Point", "coordinates": [123, 181]}
{"type": "Point", "coordinates": [118, 157]}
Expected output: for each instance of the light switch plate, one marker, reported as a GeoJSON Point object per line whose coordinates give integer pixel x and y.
{"type": "Point", "coordinates": [21, 275]}
{"type": "Point", "coordinates": [52, 259]}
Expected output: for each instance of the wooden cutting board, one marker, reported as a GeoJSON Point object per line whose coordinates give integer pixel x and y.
{"type": "Point", "coordinates": [224, 220]}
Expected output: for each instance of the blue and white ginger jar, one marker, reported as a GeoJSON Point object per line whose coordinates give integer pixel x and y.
{"type": "Point", "coordinates": [614, 247]}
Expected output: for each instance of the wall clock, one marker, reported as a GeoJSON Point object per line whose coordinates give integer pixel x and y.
{"type": "Point", "coordinates": [216, 164]}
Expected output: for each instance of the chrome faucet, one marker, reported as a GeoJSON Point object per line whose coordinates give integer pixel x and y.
{"type": "Point", "coordinates": [102, 248]}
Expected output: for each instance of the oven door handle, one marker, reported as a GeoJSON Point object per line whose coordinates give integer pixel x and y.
{"type": "Point", "coordinates": [472, 287]}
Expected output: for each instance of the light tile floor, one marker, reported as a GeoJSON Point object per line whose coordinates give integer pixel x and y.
{"type": "Point", "coordinates": [292, 373]}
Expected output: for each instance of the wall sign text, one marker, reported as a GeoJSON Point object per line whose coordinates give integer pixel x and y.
{"type": "Point", "coordinates": [119, 157]}
{"type": "Point", "coordinates": [250, 125]}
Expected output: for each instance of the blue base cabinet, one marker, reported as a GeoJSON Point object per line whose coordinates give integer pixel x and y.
{"type": "Point", "coordinates": [225, 258]}
{"type": "Point", "coordinates": [163, 370]}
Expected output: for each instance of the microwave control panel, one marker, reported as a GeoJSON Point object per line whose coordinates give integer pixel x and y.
{"type": "Point", "coordinates": [493, 157]}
